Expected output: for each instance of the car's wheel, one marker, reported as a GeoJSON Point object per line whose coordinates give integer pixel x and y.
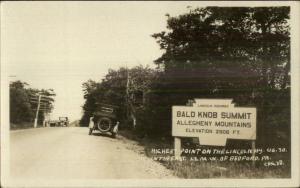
{"type": "Point", "coordinates": [104, 124]}
{"type": "Point", "coordinates": [90, 131]}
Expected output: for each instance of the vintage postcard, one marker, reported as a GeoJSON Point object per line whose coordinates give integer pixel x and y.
{"type": "Point", "coordinates": [150, 94]}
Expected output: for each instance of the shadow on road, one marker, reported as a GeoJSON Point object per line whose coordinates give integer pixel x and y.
{"type": "Point", "coordinates": [102, 134]}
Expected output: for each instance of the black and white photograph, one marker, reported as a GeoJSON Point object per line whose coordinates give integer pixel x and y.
{"type": "Point", "coordinates": [150, 94]}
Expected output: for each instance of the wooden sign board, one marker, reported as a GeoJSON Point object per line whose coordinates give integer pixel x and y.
{"type": "Point", "coordinates": [213, 121]}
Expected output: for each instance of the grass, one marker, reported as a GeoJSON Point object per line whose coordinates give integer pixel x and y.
{"type": "Point", "coordinates": [214, 169]}
{"type": "Point", "coordinates": [190, 170]}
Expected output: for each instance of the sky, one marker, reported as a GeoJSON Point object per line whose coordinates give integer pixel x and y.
{"type": "Point", "coordinates": [60, 45]}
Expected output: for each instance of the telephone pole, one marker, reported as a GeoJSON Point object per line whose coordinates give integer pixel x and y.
{"type": "Point", "coordinates": [37, 111]}
{"type": "Point", "coordinates": [42, 103]}
{"type": "Point", "coordinates": [130, 107]}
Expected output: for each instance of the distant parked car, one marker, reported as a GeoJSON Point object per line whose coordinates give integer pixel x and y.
{"type": "Point", "coordinates": [63, 121]}
{"type": "Point", "coordinates": [53, 123]}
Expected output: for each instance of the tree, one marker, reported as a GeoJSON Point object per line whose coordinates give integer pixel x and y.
{"type": "Point", "coordinates": [118, 87]}
{"type": "Point", "coordinates": [217, 40]}
{"type": "Point", "coordinates": [23, 102]}
{"type": "Point", "coordinates": [20, 107]}
{"type": "Point", "coordinates": [216, 52]}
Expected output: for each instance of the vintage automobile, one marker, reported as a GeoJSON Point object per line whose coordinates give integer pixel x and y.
{"type": "Point", "coordinates": [53, 123]}
{"type": "Point", "coordinates": [63, 121]}
{"type": "Point", "coordinates": [104, 119]}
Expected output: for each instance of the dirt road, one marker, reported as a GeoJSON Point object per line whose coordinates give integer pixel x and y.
{"type": "Point", "coordinates": [70, 153]}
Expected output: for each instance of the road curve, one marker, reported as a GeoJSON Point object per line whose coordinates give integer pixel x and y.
{"type": "Point", "coordinates": [70, 153]}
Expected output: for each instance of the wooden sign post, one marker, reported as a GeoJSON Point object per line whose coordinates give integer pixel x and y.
{"type": "Point", "coordinates": [177, 147]}
{"type": "Point", "coordinates": [253, 152]}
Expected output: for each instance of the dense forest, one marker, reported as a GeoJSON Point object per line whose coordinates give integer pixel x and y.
{"type": "Point", "coordinates": [23, 104]}
{"type": "Point", "coordinates": [213, 52]}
